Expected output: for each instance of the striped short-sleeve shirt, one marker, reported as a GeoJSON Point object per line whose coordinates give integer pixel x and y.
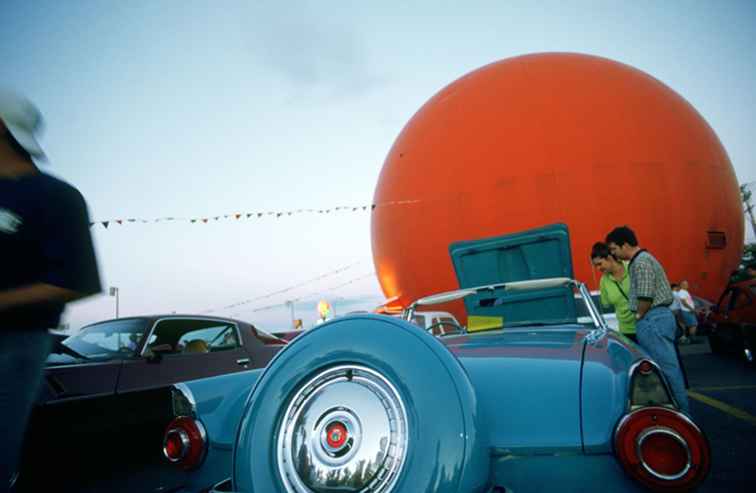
{"type": "Point", "coordinates": [648, 281]}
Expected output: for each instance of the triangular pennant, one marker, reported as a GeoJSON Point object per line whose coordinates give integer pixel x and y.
{"type": "Point", "coordinates": [372, 206]}
{"type": "Point", "coordinates": [204, 220]}
{"type": "Point", "coordinates": [105, 223]}
{"type": "Point", "coordinates": [289, 213]}
{"type": "Point", "coordinates": [278, 214]}
{"type": "Point", "coordinates": [132, 220]}
{"type": "Point", "coordinates": [259, 214]}
{"type": "Point", "coordinates": [193, 221]}
{"type": "Point", "coordinates": [225, 216]}
{"type": "Point", "coordinates": [216, 217]}
{"type": "Point", "coordinates": [249, 214]}
{"type": "Point", "coordinates": [119, 221]}
{"type": "Point", "coordinates": [237, 216]}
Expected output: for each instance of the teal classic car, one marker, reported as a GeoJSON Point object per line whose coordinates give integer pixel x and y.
{"type": "Point", "coordinates": [528, 399]}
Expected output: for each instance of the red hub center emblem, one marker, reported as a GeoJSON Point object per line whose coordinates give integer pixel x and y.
{"type": "Point", "coordinates": [336, 435]}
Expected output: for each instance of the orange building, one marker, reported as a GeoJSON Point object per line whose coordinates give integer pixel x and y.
{"type": "Point", "coordinates": [556, 137]}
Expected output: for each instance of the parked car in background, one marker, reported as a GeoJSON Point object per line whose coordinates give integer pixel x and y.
{"type": "Point", "coordinates": [437, 323]}
{"type": "Point", "coordinates": [369, 403]}
{"type": "Point", "coordinates": [107, 392]}
{"type": "Point", "coordinates": [731, 323]}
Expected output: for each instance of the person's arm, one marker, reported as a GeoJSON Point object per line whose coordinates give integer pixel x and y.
{"type": "Point", "coordinates": [36, 294]}
{"type": "Point", "coordinates": [684, 301]}
{"type": "Point", "coordinates": [603, 294]}
{"type": "Point", "coordinates": [67, 249]}
{"type": "Point", "coordinates": [644, 278]}
{"type": "Point", "coordinates": [644, 305]}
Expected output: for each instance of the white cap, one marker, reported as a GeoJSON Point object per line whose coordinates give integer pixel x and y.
{"type": "Point", "coordinates": [23, 120]}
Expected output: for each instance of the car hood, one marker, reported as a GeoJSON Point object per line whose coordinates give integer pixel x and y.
{"type": "Point", "coordinates": [528, 386]}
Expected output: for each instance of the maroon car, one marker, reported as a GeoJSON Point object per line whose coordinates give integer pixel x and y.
{"type": "Point", "coordinates": [731, 323]}
{"type": "Point", "coordinates": [107, 391]}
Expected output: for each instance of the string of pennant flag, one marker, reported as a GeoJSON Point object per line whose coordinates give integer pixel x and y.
{"type": "Point", "coordinates": [250, 215]}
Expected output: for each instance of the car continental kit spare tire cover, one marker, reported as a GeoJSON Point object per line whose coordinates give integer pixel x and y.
{"type": "Point", "coordinates": [365, 403]}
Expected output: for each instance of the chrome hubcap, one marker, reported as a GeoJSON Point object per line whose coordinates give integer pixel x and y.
{"type": "Point", "coordinates": [345, 429]}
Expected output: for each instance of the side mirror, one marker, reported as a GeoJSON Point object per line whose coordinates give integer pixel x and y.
{"type": "Point", "coordinates": [155, 353]}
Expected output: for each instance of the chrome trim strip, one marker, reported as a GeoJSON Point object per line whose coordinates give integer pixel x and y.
{"type": "Point", "coordinates": [188, 394]}
{"type": "Point", "coordinates": [659, 430]}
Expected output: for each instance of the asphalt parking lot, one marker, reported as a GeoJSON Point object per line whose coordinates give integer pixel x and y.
{"type": "Point", "coordinates": [723, 402]}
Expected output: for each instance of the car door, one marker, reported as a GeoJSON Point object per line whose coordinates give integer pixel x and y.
{"type": "Point", "coordinates": [190, 348]}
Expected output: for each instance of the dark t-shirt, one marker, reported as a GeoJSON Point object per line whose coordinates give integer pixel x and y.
{"type": "Point", "coordinates": [44, 238]}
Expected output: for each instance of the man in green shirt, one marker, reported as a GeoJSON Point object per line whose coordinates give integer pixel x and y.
{"type": "Point", "coordinates": [614, 287]}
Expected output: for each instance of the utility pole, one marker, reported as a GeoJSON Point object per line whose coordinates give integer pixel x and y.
{"type": "Point", "coordinates": [114, 292]}
{"type": "Point", "coordinates": [290, 304]}
{"type": "Point", "coordinates": [746, 194]}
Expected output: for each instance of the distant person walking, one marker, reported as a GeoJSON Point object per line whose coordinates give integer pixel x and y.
{"type": "Point", "coordinates": [614, 287]}
{"type": "Point", "coordinates": [676, 308]}
{"type": "Point", "coordinates": [687, 309]}
{"type": "Point", "coordinates": [650, 299]}
{"type": "Point", "coordinates": [47, 260]}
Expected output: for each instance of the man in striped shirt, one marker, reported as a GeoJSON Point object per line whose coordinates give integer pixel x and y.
{"type": "Point", "coordinates": [650, 298]}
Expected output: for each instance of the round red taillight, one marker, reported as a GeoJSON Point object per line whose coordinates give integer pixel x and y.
{"type": "Point", "coordinates": [663, 453]}
{"type": "Point", "coordinates": [663, 449]}
{"type": "Point", "coordinates": [185, 442]}
{"type": "Point", "coordinates": [176, 444]}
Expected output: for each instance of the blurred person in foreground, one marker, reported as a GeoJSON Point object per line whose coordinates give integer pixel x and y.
{"type": "Point", "coordinates": [614, 287]}
{"type": "Point", "coordinates": [47, 259]}
{"type": "Point", "coordinates": [650, 298]}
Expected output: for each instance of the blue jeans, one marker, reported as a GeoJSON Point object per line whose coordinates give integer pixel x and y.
{"type": "Point", "coordinates": [22, 359]}
{"type": "Point", "coordinates": [656, 335]}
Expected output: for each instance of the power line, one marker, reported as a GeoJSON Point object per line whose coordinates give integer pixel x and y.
{"type": "Point", "coordinates": [308, 295]}
{"type": "Point", "coordinates": [285, 290]}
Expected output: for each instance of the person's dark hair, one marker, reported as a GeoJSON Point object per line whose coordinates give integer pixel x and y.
{"type": "Point", "coordinates": [751, 266]}
{"type": "Point", "coordinates": [673, 285]}
{"type": "Point", "coordinates": [621, 235]}
{"type": "Point", "coordinates": [16, 146]}
{"type": "Point", "coordinates": [600, 250]}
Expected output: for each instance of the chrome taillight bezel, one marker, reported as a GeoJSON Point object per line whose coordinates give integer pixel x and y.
{"type": "Point", "coordinates": [639, 425]}
{"type": "Point", "coordinates": [193, 436]}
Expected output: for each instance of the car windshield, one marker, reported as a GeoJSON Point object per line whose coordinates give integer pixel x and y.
{"type": "Point", "coordinates": [582, 308]}
{"type": "Point", "coordinates": [539, 302]}
{"type": "Point", "coordinates": [108, 339]}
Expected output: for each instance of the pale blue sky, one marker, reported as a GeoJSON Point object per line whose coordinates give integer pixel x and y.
{"type": "Point", "coordinates": [199, 108]}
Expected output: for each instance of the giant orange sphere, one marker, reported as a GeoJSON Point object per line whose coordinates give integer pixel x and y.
{"type": "Point", "coordinates": [556, 137]}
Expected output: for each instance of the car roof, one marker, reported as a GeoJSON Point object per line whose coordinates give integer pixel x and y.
{"type": "Point", "coordinates": [155, 317]}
